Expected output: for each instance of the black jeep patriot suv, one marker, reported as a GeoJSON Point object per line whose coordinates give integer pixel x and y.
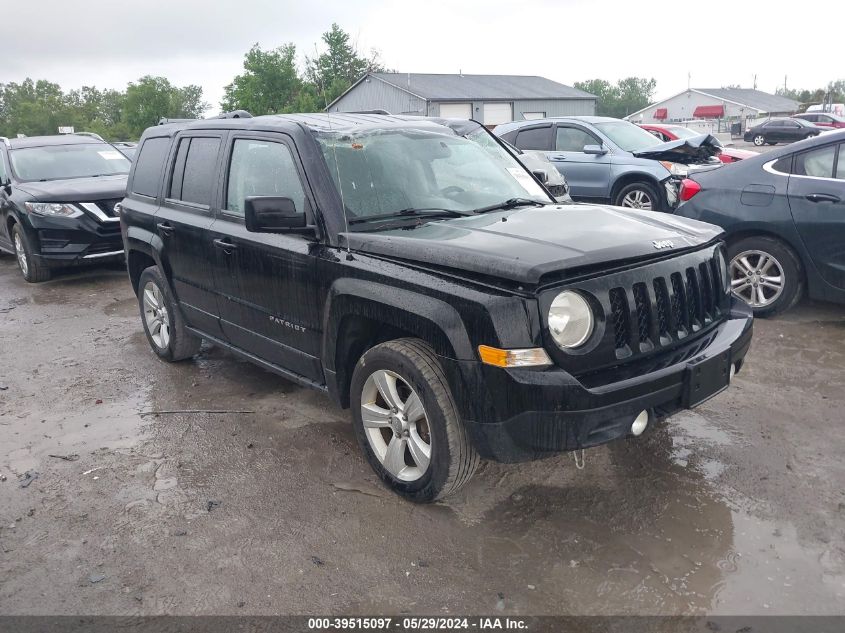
{"type": "Point", "coordinates": [414, 270]}
{"type": "Point", "coordinates": [57, 199]}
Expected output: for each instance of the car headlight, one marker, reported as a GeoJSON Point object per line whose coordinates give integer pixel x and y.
{"type": "Point", "coordinates": [53, 209]}
{"type": "Point", "coordinates": [676, 169]}
{"type": "Point", "coordinates": [570, 320]}
{"type": "Point", "coordinates": [723, 270]}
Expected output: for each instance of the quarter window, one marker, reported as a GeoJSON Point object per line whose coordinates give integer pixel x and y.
{"type": "Point", "coordinates": [538, 138]}
{"type": "Point", "coordinates": [840, 163]}
{"type": "Point", "coordinates": [262, 168]}
{"type": "Point", "coordinates": [148, 166]}
{"type": "Point", "coordinates": [818, 162]}
{"type": "Point", "coordinates": [570, 139]}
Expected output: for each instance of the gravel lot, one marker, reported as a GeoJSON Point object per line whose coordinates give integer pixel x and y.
{"type": "Point", "coordinates": [735, 508]}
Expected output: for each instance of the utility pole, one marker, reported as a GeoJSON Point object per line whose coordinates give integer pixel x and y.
{"type": "Point", "coordinates": [755, 82]}
{"type": "Point", "coordinates": [689, 79]}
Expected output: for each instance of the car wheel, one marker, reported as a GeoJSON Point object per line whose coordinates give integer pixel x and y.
{"type": "Point", "coordinates": [759, 140]}
{"type": "Point", "coordinates": [639, 195]}
{"type": "Point", "coordinates": [162, 320]}
{"type": "Point", "coordinates": [407, 423]}
{"type": "Point", "coordinates": [30, 267]}
{"type": "Point", "coordinates": [766, 274]}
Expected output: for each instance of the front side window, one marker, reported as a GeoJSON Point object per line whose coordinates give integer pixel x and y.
{"type": "Point", "coordinates": [193, 171]}
{"type": "Point", "coordinates": [818, 162]}
{"type": "Point", "coordinates": [381, 172]}
{"type": "Point", "coordinates": [572, 139]}
{"type": "Point", "coordinates": [262, 168]}
{"type": "Point", "coordinates": [58, 162]}
{"type": "Point", "coordinates": [627, 136]}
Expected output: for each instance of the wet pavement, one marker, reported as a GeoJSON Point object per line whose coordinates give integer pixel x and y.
{"type": "Point", "coordinates": [735, 508]}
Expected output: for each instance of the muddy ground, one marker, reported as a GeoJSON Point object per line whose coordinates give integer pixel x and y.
{"type": "Point", "coordinates": [735, 508]}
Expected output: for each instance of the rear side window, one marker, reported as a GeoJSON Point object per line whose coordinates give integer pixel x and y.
{"type": "Point", "coordinates": [539, 138]}
{"type": "Point", "coordinates": [193, 170]}
{"type": "Point", "coordinates": [148, 166]}
{"type": "Point", "coordinates": [818, 162]}
{"type": "Point", "coordinates": [262, 168]}
{"type": "Point", "coordinates": [2, 169]}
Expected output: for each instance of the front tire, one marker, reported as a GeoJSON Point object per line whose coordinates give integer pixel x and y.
{"type": "Point", "coordinates": [766, 273]}
{"type": "Point", "coordinates": [759, 140]}
{"type": "Point", "coordinates": [407, 423]}
{"type": "Point", "coordinates": [162, 321]}
{"type": "Point", "coordinates": [30, 267]}
{"type": "Point", "coordinates": [639, 195]}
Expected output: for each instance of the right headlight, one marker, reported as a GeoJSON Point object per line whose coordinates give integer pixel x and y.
{"type": "Point", "coordinates": [570, 320]}
{"type": "Point", "coordinates": [53, 209]}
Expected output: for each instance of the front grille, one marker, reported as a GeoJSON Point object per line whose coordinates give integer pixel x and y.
{"type": "Point", "coordinates": [665, 309]}
{"type": "Point", "coordinates": [107, 206]}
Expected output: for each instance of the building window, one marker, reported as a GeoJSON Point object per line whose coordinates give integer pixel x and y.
{"type": "Point", "coordinates": [531, 116]}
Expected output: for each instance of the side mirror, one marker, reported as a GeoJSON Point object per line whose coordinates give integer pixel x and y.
{"type": "Point", "coordinates": [596, 150]}
{"type": "Point", "coordinates": [272, 214]}
{"type": "Point", "coordinates": [541, 176]}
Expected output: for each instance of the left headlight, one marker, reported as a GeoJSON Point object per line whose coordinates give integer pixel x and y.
{"type": "Point", "coordinates": [53, 209]}
{"type": "Point", "coordinates": [676, 169]}
{"type": "Point", "coordinates": [570, 320]}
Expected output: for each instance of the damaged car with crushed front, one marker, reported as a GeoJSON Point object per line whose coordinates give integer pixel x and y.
{"type": "Point", "coordinates": [415, 271]}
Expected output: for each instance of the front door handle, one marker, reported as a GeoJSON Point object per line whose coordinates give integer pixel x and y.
{"type": "Point", "coordinates": [226, 247]}
{"type": "Point", "coordinates": [557, 157]}
{"type": "Point", "coordinates": [823, 197]}
{"type": "Point", "coordinates": [165, 228]}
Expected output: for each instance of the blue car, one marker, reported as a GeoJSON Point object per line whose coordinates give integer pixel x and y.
{"type": "Point", "coordinates": [783, 213]}
{"type": "Point", "coordinates": [611, 160]}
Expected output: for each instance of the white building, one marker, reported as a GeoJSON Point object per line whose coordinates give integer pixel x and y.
{"type": "Point", "coordinates": [736, 104]}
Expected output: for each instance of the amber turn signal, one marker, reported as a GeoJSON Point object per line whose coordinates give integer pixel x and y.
{"type": "Point", "coordinates": [533, 357]}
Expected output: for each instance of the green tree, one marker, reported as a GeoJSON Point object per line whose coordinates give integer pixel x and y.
{"type": "Point", "coordinates": [834, 91]}
{"type": "Point", "coordinates": [339, 66]}
{"type": "Point", "coordinates": [269, 84]}
{"type": "Point", "coordinates": [621, 99]}
{"type": "Point", "coordinates": [152, 98]}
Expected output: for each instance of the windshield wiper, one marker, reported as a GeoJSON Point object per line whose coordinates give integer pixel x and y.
{"type": "Point", "coordinates": [511, 203]}
{"type": "Point", "coordinates": [411, 212]}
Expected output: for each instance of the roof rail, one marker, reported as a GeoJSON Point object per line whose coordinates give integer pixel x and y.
{"type": "Point", "coordinates": [91, 134]}
{"type": "Point", "coordinates": [234, 114]}
{"type": "Point", "coordinates": [5, 141]}
{"type": "Point", "coordinates": [165, 121]}
{"type": "Point", "coordinates": [365, 112]}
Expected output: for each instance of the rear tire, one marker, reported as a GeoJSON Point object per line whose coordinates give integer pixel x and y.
{"type": "Point", "coordinates": [759, 140]}
{"type": "Point", "coordinates": [412, 437]}
{"type": "Point", "coordinates": [162, 320]}
{"type": "Point", "coordinates": [31, 268]}
{"type": "Point", "coordinates": [775, 261]}
{"type": "Point", "coordinates": [639, 195]}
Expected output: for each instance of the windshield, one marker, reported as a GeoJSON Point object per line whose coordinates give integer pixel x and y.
{"type": "Point", "coordinates": [381, 172]}
{"type": "Point", "coordinates": [55, 162]}
{"type": "Point", "coordinates": [627, 136]}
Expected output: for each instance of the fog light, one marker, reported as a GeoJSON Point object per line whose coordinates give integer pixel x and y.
{"type": "Point", "coordinates": [640, 422]}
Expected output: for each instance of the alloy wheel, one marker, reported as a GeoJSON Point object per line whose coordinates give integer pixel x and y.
{"type": "Point", "coordinates": [757, 277]}
{"type": "Point", "coordinates": [638, 199]}
{"type": "Point", "coordinates": [21, 254]}
{"type": "Point", "coordinates": [156, 316]}
{"type": "Point", "coordinates": [396, 425]}
{"type": "Point", "coordinates": [759, 140]}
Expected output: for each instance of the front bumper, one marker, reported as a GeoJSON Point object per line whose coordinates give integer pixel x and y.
{"type": "Point", "coordinates": [529, 414]}
{"type": "Point", "coordinates": [60, 242]}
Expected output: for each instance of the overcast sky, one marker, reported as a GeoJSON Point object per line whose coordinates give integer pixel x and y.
{"type": "Point", "coordinates": [108, 43]}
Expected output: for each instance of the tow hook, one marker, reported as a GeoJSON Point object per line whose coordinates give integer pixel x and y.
{"type": "Point", "coordinates": [579, 459]}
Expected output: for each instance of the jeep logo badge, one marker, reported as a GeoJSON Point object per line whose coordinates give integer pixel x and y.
{"type": "Point", "coordinates": [662, 244]}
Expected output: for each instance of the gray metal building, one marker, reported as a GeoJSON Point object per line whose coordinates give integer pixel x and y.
{"type": "Point", "coordinates": [489, 99]}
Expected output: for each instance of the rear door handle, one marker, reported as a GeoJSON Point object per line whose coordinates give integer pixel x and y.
{"type": "Point", "coordinates": [557, 157]}
{"type": "Point", "coordinates": [165, 228]}
{"type": "Point", "coordinates": [822, 197]}
{"type": "Point", "coordinates": [226, 247]}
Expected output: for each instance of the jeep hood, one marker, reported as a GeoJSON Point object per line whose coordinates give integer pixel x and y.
{"type": "Point", "coordinates": [76, 189]}
{"type": "Point", "coordinates": [522, 245]}
{"type": "Point", "coordinates": [696, 149]}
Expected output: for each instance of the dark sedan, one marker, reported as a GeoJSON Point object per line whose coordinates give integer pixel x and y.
{"type": "Point", "coordinates": [784, 215]}
{"type": "Point", "coordinates": [776, 131]}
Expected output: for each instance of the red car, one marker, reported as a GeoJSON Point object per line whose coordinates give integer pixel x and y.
{"type": "Point", "coordinates": [822, 119]}
{"type": "Point", "coordinates": [675, 132]}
